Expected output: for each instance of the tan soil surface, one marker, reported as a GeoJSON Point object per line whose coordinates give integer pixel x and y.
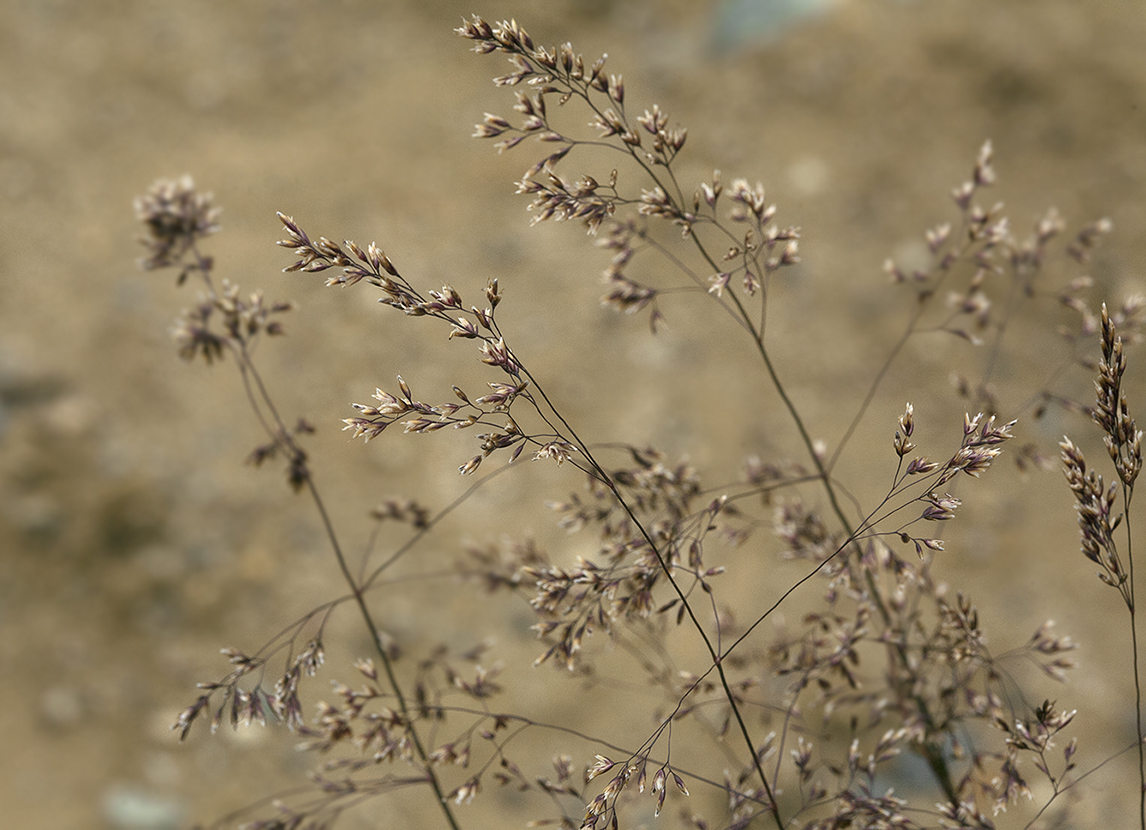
{"type": "Point", "coordinates": [136, 543]}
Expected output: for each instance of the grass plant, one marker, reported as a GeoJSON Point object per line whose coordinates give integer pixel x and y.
{"type": "Point", "coordinates": [809, 722]}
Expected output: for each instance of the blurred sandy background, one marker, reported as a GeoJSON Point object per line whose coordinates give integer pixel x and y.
{"type": "Point", "coordinates": [135, 543]}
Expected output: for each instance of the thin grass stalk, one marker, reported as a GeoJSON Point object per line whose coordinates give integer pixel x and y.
{"type": "Point", "coordinates": [1127, 494]}
{"type": "Point", "coordinates": [261, 401]}
{"type": "Point", "coordinates": [713, 654]}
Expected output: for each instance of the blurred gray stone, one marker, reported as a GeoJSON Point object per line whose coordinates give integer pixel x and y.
{"type": "Point", "coordinates": [741, 22]}
{"type": "Point", "coordinates": [130, 808]}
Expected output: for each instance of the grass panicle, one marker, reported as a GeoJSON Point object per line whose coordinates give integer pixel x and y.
{"type": "Point", "coordinates": [882, 703]}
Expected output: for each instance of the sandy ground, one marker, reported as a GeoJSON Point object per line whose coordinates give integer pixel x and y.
{"type": "Point", "coordinates": [135, 543]}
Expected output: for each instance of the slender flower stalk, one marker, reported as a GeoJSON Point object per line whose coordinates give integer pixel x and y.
{"type": "Point", "coordinates": [177, 217]}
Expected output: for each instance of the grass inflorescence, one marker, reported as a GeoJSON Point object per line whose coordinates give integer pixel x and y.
{"type": "Point", "coordinates": [806, 722]}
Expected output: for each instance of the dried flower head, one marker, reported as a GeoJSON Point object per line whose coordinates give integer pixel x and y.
{"type": "Point", "coordinates": [1123, 438]}
{"type": "Point", "coordinates": [176, 216]}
